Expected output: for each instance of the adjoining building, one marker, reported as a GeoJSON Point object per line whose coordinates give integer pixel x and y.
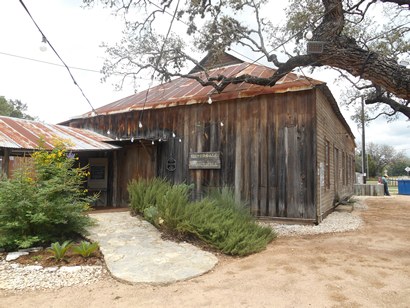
{"type": "Point", "coordinates": [19, 138]}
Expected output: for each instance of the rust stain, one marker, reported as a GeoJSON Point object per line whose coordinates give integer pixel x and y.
{"type": "Point", "coordinates": [183, 91]}
{"type": "Point", "coordinates": [24, 134]}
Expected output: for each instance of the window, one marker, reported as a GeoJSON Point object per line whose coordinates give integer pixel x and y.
{"type": "Point", "coordinates": [344, 168]}
{"type": "Point", "coordinates": [327, 164]}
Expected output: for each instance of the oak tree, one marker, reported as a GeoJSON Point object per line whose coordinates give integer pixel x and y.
{"type": "Point", "coordinates": [366, 41]}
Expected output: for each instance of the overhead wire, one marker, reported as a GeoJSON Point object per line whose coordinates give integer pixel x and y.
{"type": "Point", "coordinates": [272, 50]}
{"type": "Point", "coordinates": [158, 61]}
{"type": "Point", "coordinates": [56, 53]}
{"type": "Point", "coordinates": [59, 65]}
{"type": "Point", "coordinates": [46, 62]}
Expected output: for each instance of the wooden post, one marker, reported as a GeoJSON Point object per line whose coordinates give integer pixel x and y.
{"type": "Point", "coordinates": [5, 163]}
{"type": "Point", "coordinates": [115, 179]}
{"type": "Point", "coordinates": [238, 159]}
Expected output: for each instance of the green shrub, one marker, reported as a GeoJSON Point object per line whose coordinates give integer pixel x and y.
{"type": "Point", "coordinates": [173, 207]}
{"type": "Point", "coordinates": [217, 220]}
{"type": "Point", "coordinates": [59, 250]}
{"type": "Point", "coordinates": [146, 193]}
{"type": "Point", "coordinates": [85, 249]}
{"type": "Point", "coordinates": [44, 202]}
{"type": "Point", "coordinates": [226, 225]}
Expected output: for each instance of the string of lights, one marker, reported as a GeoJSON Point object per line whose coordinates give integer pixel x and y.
{"type": "Point", "coordinates": [157, 63]}
{"type": "Point", "coordinates": [45, 40]}
{"type": "Point", "coordinates": [221, 122]}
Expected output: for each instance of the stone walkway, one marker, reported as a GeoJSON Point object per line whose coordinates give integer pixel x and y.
{"type": "Point", "coordinates": [134, 251]}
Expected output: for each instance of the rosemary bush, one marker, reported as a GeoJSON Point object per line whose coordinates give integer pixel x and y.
{"type": "Point", "coordinates": [217, 220]}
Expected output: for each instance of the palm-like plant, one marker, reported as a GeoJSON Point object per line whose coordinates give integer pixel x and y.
{"type": "Point", "coordinates": [85, 249]}
{"type": "Point", "coordinates": [59, 250]}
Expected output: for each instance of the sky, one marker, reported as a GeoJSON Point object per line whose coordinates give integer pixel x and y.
{"type": "Point", "coordinates": [77, 34]}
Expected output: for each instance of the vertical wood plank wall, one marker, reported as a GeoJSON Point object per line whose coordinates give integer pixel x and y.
{"type": "Point", "coordinates": [133, 162]}
{"type": "Point", "coordinates": [341, 158]}
{"type": "Point", "coordinates": [267, 146]}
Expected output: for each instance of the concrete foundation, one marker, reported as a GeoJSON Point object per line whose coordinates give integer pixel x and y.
{"type": "Point", "coordinates": [368, 190]}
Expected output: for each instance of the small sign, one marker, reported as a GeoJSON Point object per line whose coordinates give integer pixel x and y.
{"type": "Point", "coordinates": [322, 174]}
{"type": "Point", "coordinates": [97, 172]}
{"type": "Point", "coordinates": [205, 160]}
{"type": "Point", "coordinates": [407, 169]}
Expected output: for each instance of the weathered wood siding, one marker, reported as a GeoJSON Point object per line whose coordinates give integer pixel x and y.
{"type": "Point", "coordinates": [339, 177]}
{"type": "Point", "coordinates": [134, 161]}
{"type": "Point", "coordinates": [267, 147]}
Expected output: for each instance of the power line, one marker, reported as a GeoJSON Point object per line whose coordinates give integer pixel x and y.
{"type": "Point", "coordinates": [46, 62]}
{"type": "Point", "coordinates": [272, 50]}
{"type": "Point", "coordinates": [59, 65]}
{"type": "Point", "coordinates": [56, 53]}
{"type": "Point", "coordinates": [159, 58]}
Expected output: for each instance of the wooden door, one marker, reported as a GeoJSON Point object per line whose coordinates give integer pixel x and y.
{"type": "Point", "coordinates": [134, 162]}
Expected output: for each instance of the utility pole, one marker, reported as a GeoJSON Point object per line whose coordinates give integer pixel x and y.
{"type": "Point", "coordinates": [364, 169]}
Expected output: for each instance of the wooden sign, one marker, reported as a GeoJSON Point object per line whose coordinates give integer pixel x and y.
{"type": "Point", "coordinates": [205, 160]}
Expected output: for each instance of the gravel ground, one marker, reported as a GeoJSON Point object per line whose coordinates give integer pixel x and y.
{"type": "Point", "coordinates": [333, 223]}
{"type": "Point", "coordinates": [19, 277]}
{"type": "Point", "coordinates": [14, 276]}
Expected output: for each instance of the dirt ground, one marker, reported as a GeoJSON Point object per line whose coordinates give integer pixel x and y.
{"type": "Point", "coordinates": [369, 267]}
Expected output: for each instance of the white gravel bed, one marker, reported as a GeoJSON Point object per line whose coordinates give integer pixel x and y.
{"type": "Point", "coordinates": [15, 276]}
{"type": "Point", "coordinates": [333, 223]}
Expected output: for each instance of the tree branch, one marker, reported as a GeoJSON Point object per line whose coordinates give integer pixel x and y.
{"type": "Point", "coordinates": [396, 106]}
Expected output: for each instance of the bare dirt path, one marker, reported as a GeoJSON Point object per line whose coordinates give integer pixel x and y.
{"type": "Point", "coordinates": [369, 267]}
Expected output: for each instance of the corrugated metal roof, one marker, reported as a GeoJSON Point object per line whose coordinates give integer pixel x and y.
{"type": "Point", "coordinates": [184, 91]}
{"type": "Point", "coordinates": [24, 134]}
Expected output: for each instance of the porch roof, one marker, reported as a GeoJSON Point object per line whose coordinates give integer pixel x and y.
{"type": "Point", "coordinates": [23, 134]}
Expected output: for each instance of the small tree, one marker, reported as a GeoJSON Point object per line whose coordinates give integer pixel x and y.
{"type": "Point", "coordinates": [14, 109]}
{"type": "Point", "coordinates": [44, 202]}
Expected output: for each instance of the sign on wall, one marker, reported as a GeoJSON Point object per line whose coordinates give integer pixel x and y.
{"type": "Point", "coordinates": [205, 160]}
{"type": "Point", "coordinates": [98, 173]}
{"type": "Point", "coordinates": [322, 174]}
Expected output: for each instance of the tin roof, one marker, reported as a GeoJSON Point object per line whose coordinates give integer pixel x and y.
{"type": "Point", "coordinates": [25, 134]}
{"type": "Point", "coordinates": [184, 91]}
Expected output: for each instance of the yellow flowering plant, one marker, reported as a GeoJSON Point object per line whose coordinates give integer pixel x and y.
{"type": "Point", "coordinates": [47, 204]}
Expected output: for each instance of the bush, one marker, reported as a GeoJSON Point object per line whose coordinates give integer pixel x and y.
{"type": "Point", "coordinates": [217, 220]}
{"type": "Point", "coordinates": [44, 202]}
{"type": "Point", "coordinates": [146, 193]}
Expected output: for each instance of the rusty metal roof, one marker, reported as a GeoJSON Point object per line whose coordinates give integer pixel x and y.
{"type": "Point", "coordinates": [184, 91]}
{"type": "Point", "coordinates": [24, 134]}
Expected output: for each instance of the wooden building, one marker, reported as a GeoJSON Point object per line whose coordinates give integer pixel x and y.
{"type": "Point", "coordinates": [19, 138]}
{"type": "Point", "coordinates": [286, 150]}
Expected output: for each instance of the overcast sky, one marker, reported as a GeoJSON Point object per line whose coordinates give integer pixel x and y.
{"type": "Point", "coordinates": [77, 34]}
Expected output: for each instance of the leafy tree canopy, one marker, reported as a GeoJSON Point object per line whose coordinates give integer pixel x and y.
{"type": "Point", "coordinates": [13, 108]}
{"type": "Point", "coordinates": [366, 41]}
{"type": "Point", "coordinates": [382, 158]}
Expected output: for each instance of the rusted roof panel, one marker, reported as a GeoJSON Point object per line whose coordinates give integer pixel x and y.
{"type": "Point", "coordinates": [183, 91]}
{"type": "Point", "coordinates": [25, 134]}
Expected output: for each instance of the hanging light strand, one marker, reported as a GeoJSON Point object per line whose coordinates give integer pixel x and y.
{"type": "Point", "coordinates": [45, 40]}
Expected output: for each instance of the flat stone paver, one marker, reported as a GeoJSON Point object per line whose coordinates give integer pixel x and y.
{"type": "Point", "coordinates": [134, 251]}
